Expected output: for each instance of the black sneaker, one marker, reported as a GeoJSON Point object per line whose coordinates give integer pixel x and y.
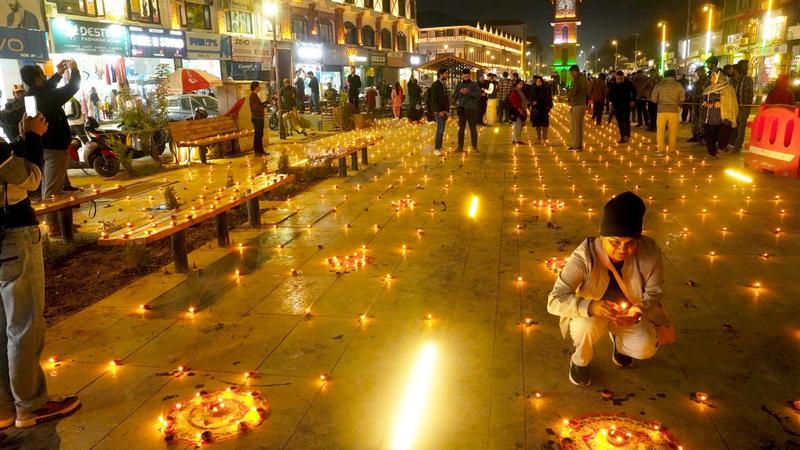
{"type": "Point", "coordinates": [693, 139]}
{"type": "Point", "coordinates": [618, 358]}
{"type": "Point", "coordinates": [579, 376]}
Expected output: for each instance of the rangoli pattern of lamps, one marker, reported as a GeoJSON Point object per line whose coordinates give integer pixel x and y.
{"type": "Point", "coordinates": [607, 432]}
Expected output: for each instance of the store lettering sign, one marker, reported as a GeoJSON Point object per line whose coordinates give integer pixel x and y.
{"type": "Point", "coordinates": [16, 43]}
{"type": "Point", "coordinates": [157, 43]}
{"type": "Point", "coordinates": [203, 46]}
{"type": "Point", "coordinates": [377, 60]}
{"type": "Point", "coordinates": [249, 49]}
{"type": "Point", "coordinates": [91, 38]}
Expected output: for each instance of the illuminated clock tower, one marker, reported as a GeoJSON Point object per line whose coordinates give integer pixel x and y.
{"type": "Point", "coordinates": [565, 37]}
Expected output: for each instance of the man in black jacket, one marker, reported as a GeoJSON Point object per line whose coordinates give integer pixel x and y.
{"type": "Point", "coordinates": [439, 105]}
{"type": "Point", "coordinates": [353, 87]}
{"type": "Point", "coordinates": [23, 398]}
{"type": "Point", "coordinates": [622, 95]}
{"type": "Point", "coordinates": [313, 84]}
{"type": "Point", "coordinates": [50, 100]}
{"type": "Point", "coordinates": [12, 115]}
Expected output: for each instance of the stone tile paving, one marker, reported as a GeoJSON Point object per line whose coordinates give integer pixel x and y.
{"type": "Point", "coordinates": [456, 284]}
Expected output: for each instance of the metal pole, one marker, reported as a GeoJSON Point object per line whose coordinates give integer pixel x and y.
{"type": "Point", "coordinates": [636, 49]}
{"type": "Point", "coordinates": [688, 44]}
{"type": "Point", "coordinates": [278, 84]}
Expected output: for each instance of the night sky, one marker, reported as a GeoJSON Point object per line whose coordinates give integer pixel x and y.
{"type": "Point", "coordinates": [602, 20]}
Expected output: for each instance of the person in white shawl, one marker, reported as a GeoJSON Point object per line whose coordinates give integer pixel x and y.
{"type": "Point", "coordinates": [721, 110]}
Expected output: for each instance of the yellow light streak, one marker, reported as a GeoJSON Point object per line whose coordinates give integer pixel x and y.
{"type": "Point", "coordinates": [414, 404]}
{"type": "Point", "coordinates": [473, 207]}
{"type": "Point", "coordinates": [738, 175]}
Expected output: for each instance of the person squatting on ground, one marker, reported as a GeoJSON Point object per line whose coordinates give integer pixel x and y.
{"type": "Point", "coordinates": [467, 94]}
{"type": "Point", "coordinates": [518, 111]}
{"type": "Point", "coordinates": [622, 96]}
{"type": "Point", "coordinates": [23, 390]}
{"type": "Point", "coordinates": [669, 96]}
{"type": "Point", "coordinates": [721, 110]}
{"type": "Point", "coordinates": [613, 283]}
{"type": "Point", "coordinates": [439, 106]}
{"type": "Point", "coordinates": [576, 97]}
{"type": "Point", "coordinates": [50, 101]}
{"type": "Point", "coordinates": [541, 104]}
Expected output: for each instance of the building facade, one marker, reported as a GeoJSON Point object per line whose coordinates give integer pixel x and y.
{"type": "Point", "coordinates": [497, 50]}
{"type": "Point", "coordinates": [121, 42]}
{"type": "Point", "coordinates": [565, 36]}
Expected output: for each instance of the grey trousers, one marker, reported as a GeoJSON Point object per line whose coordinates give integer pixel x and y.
{"type": "Point", "coordinates": [741, 127]}
{"type": "Point", "coordinates": [576, 114]}
{"type": "Point", "coordinates": [53, 176]}
{"type": "Point", "coordinates": [22, 382]}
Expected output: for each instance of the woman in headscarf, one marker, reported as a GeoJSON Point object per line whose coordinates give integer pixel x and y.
{"type": "Point", "coordinates": [518, 110]}
{"type": "Point", "coordinates": [541, 104]}
{"type": "Point", "coordinates": [721, 110]}
{"type": "Point", "coordinates": [781, 94]}
{"type": "Point", "coordinates": [613, 284]}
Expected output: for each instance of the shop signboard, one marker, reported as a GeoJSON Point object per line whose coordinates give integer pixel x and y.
{"type": "Point", "coordinates": [90, 38]}
{"type": "Point", "coordinates": [247, 70]}
{"type": "Point", "coordinates": [18, 43]}
{"type": "Point", "coordinates": [157, 43]}
{"type": "Point", "coordinates": [377, 59]}
{"type": "Point", "coordinates": [203, 46]}
{"type": "Point", "coordinates": [246, 49]}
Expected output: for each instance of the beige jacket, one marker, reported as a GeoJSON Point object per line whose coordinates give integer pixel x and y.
{"type": "Point", "coordinates": [22, 176]}
{"type": "Point", "coordinates": [585, 278]}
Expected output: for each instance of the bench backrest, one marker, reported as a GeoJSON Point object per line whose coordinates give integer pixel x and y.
{"type": "Point", "coordinates": [188, 130]}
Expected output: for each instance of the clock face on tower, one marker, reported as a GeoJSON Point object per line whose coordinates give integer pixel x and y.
{"type": "Point", "coordinates": [565, 8]}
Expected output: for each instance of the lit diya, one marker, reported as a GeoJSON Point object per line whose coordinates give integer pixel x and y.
{"type": "Point", "coordinates": [614, 432]}
{"type": "Point", "coordinates": [214, 417]}
{"type": "Point", "coordinates": [556, 264]}
{"type": "Point", "coordinates": [348, 263]}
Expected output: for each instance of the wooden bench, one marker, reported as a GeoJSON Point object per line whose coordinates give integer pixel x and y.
{"type": "Point", "coordinates": [63, 205]}
{"type": "Point", "coordinates": [207, 132]}
{"type": "Point", "coordinates": [175, 223]}
{"type": "Point", "coordinates": [350, 147]}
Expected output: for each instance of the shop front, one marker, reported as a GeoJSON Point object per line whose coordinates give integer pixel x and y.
{"type": "Point", "coordinates": [19, 47]}
{"type": "Point", "coordinates": [250, 58]}
{"type": "Point", "coordinates": [150, 48]}
{"type": "Point", "coordinates": [102, 51]}
{"type": "Point", "coordinates": [204, 52]}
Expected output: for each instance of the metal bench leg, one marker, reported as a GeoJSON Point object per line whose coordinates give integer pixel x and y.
{"type": "Point", "coordinates": [343, 167]}
{"type": "Point", "coordinates": [65, 224]}
{"type": "Point", "coordinates": [354, 160]}
{"type": "Point", "coordinates": [254, 213]}
{"type": "Point", "coordinates": [364, 158]}
{"type": "Point", "coordinates": [223, 237]}
{"type": "Point", "coordinates": [179, 257]}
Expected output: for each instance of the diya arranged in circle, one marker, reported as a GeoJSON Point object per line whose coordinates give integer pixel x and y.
{"type": "Point", "coordinates": [606, 431]}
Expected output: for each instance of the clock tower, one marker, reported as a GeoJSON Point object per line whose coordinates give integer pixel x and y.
{"type": "Point", "coordinates": [565, 36]}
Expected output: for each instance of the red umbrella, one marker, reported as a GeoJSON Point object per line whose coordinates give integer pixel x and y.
{"type": "Point", "coordinates": [189, 80]}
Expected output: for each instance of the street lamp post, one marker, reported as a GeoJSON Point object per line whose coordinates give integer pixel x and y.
{"type": "Point", "coordinates": [594, 65]}
{"type": "Point", "coordinates": [688, 38]}
{"type": "Point", "coordinates": [271, 10]}
{"type": "Point", "coordinates": [616, 53]}
{"type": "Point", "coordinates": [636, 49]}
{"type": "Point", "coordinates": [710, 9]}
{"type": "Point", "coordinates": [663, 26]}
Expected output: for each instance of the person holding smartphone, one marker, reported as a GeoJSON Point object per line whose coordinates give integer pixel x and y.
{"type": "Point", "coordinates": [614, 284]}
{"type": "Point", "coordinates": [50, 99]}
{"type": "Point", "coordinates": [24, 400]}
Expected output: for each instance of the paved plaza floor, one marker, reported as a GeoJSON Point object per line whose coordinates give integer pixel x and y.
{"type": "Point", "coordinates": [441, 340]}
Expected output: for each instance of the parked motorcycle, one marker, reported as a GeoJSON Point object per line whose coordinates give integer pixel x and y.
{"type": "Point", "coordinates": [90, 150]}
{"type": "Point", "coordinates": [273, 116]}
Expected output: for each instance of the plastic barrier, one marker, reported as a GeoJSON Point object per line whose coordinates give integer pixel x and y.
{"type": "Point", "coordinates": [775, 141]}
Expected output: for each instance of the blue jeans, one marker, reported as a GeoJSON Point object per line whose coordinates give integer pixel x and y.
{"type": "Point", "coordinates": [22, 327]}
{"type": "Point", "coordinates": [440, 121]}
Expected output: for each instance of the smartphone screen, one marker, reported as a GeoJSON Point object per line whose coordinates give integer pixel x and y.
{"type": "Point", "coordinates": [30, 106]}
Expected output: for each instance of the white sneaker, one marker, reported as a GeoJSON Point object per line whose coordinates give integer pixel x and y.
{"type": "Point", "coordinates": [437, 152]}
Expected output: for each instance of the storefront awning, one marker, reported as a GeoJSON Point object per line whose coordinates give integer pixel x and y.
{"type": "Point", "coordinates": [451, 63]}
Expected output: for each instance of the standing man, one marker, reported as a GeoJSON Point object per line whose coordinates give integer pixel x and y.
{"type": "Point", "coordinates": [23, 390]}
{"type": "Point", "coordinates": [313, 84]}
{"type": "Point", "coordinates": [669, 96]}
{"type": "Point", "coordinates": [484, 101]}
{"type": "Point", "coordinates": [50, 101]}
{"type": "Point", "coordinates": [12, 115]}
{"type": "Point", "coordinates": [700, 85]}
{"type": "Point", "coordinates": [257, 117]}
{"type": "Point", "coordinates": [598, 95]}
{"type": "Point", "coordinates": [94, 100]}
{"type": "Point", "coordinates": [503, 90]}
{"type": "Point", "coordinates": [744, 94]}
{"type": "Point", "coordinates": [652, 108]}
{"type": "Point", "coordinates": [467, 94]}
{"type": "Point", "coordinates": [639, 80]}
{"type": "Point", "coordinates": [353, 87]}
{"type": "Point", "coordinates": [491, 101]}
{"type": "Point", "coordinates": [300, 88]}
{"type": "Point", "coordinates": [576, 97]}
{"type": "Point", "coordinates": [439, 106]}
{"type": "Point", "coordinates": [622, 96]}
